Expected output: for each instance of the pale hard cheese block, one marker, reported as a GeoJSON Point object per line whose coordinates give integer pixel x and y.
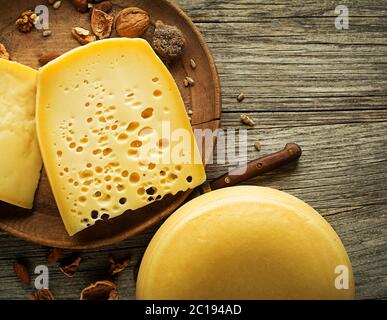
{"type": "Point", "coordinates": [106, 116]}
{"type": "Point", "coordinates": [20, 161]}
{"type": "Point", "coordinates": [245, 243]}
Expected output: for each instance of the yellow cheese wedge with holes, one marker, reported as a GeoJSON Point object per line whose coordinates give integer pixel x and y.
{"type": "Point", "coordinates": [20, 161]}
{"type": "Point", "coordinates": [110, 118]}
{"type": "Point", "coordinates": [245, 243]}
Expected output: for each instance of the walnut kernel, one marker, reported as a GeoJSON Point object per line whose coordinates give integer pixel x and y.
{"type": "Point", "coordinates": [3, 52]}
{"type": "Point", "coordinates": [82, 35]}
{"type": "Point", "coordinates": [26, 21]}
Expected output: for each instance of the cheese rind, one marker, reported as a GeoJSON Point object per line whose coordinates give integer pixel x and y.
{"type": "Point", "coordinates": [245, 243]}
{"type": "Point", "coordinates": [103, 113]}
{"type": "Point", "coordinates": [20, 160]}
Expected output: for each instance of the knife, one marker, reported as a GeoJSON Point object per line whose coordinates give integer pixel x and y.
{"type": "Point", "coordinates": [292, 152]}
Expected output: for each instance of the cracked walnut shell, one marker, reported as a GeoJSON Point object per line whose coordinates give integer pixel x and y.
{"type": "Point", "coordinates": [101, 24]}
{"type": "Point", "coordinates": [42, 294]}
{"type": "Point", "coordinates": [101, 290]}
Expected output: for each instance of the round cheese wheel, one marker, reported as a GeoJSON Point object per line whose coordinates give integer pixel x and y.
{"type": "Point", "coordinates": [245, 242]}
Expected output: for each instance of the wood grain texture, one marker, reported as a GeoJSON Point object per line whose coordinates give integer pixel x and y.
{"type": "Point", "coordinates": [305, 82]}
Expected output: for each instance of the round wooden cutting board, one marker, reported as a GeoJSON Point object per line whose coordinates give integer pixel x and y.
{"type": "Point", "coordinates": [43, 224]}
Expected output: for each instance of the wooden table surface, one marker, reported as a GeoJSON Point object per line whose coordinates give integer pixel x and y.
{"type": "Point", "coordinates": [305, 82]}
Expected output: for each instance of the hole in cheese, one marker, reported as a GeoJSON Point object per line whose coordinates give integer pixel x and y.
{"type": "Point", "coordinates": [157, 93]}
{"type": "Point", "coordinates": [125, 173]}
{"type": "Point", "coordinates": [107, 151]}
{"type": "Point", "coordinates": [132, 126]}
{"type": "Point", "coordinates": [122, 137]}
{"type": "Point", "coordinates": [136, 144]}
{"type": "Point", "coordinates": [105, 217]}
{"type": "Point", "coordinates": [147, 113]}
{"type": "Point", "coordinates": [134, 177]}
{"type": "Point", "coordinates": [145, 131]}
{"type": "Point", "coordinates": [94, 214]}
{"type": "Point", "coordinates": [141, 191]}
{"type": "Point", "coordinates": [132, 152]}
{"type": "Point", "coordinates": [151, 190]}
{"type": "Point", "coordinates": [163, 143]}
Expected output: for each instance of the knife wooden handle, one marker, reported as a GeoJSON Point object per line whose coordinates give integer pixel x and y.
{"type": "Point", "coordinates": [290, 153]}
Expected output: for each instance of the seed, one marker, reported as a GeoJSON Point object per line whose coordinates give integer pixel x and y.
{"type": "Point", "coordinates": [241, 97]}
{"type": "Point", "coordinates": [193, 64]}
{"type": "Point", "coordinates": [247, 120]}
{"type": "Point", "coordinates": [46, 33]}
{"type": "Point", "coordinates": [89, 5]}
{"type": "Point", "coordinates": [257, 146]}
{"type": "Point", "coordinates": [186, 84]}
{"type": "Point", "coordinates": [57, 4]}
{"type": "Point", "coordinates": [191, 81]}
{"type": "Point", "coordinates": [190, 112]}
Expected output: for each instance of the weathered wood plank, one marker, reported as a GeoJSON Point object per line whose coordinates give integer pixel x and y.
{"type": "Point", "coordinates": [344, 164]}
{"type": "Point", "coordinates": [342, 174]}
{"type": "Point", "coordinates": [305, 82]}
{"type": "Point", "coordinates": [248, 11]}
{"type": "Point", "coordinates": [302, 64]}
{"type": "Point", "coordinates": [92, 268]}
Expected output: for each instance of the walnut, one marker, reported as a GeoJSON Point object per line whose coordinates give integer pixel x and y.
{"type": "Point", "coordinates": [168, 41]}
{"type": "Point", "coordinates": [101, 290]}
{"type": "Point", "coordinates": [3, 52]}
{"type": "Point", "coordinates": [42, 294]}
{"type": "Point", "coordinates": [82, 35]}
{"type": "Point", "coordinates": [26, 21]}
{"type": "Point", "coordinates": [132, 22]}
{"type": "Point", "coordinates": [101, 24]}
